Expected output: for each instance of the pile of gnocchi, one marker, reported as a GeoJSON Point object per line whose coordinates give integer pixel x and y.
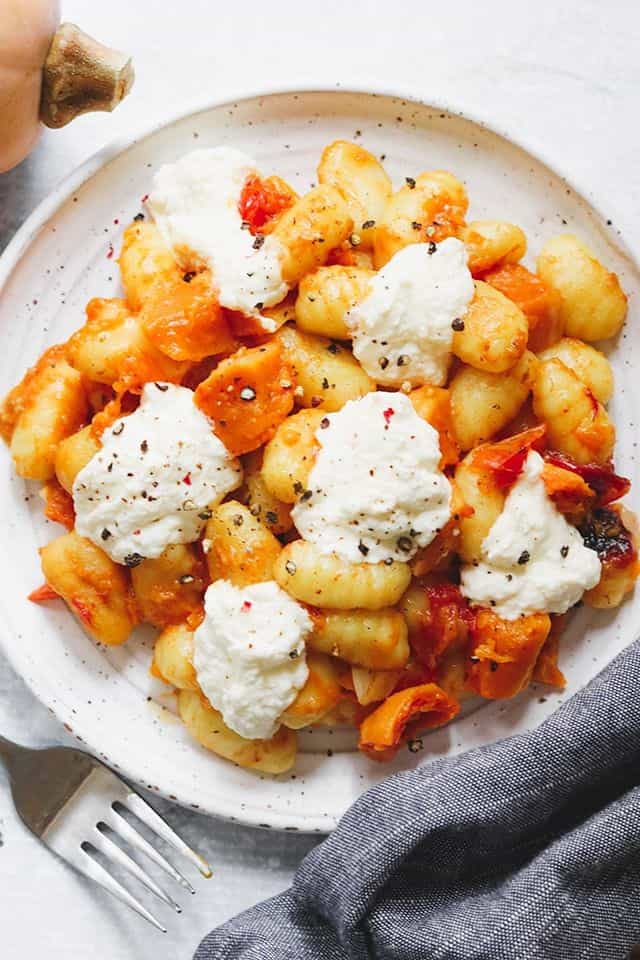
{"type": "Point", "coordinates": [359, 303]}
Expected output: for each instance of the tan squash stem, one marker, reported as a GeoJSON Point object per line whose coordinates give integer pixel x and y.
{"type": "Point", "coordinates": [81, 75]}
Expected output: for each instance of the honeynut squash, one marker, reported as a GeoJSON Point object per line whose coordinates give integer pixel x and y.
{"type": "Point", "coordinates": [50, 73]}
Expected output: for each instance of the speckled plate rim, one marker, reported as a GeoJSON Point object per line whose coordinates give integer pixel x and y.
{"type": "Point", "coordinates": [38, 220]}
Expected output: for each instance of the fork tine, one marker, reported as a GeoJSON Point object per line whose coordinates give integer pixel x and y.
{"type": "Point", "coordinates": [155, 822]}
{"type": "Point", "coordinates": [106, 845]}
{"type": "Point", "coordinates": [85, 863]}
{"type": "Point", "coordinates": [123, 828]}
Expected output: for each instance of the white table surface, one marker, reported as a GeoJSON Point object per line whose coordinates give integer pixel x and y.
{"type": "Point", "coordinates": [561, 77]}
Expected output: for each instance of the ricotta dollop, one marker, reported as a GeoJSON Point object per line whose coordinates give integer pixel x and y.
{"type": "Point", "coordinates": [151, 482]}
{"type": "Point", "coordinates": [249, 654]}
{"type": "Point", "coordinates": [375, 490]}
{"type": "Point", "coordinates": [402, 329]}
{"type": "Point", "coordinates": [533, 561]}
{"type": "Point", "coordinates": [194, 202]}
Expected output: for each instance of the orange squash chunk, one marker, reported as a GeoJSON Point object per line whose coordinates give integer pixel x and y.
{"type": "Point", "coordinates": [247, 396]}
{"type": "Point", "coordinates": [403, 713]}
{"type": "Point", "coordinates": [538, 302]}
{"type": "Point", "coordinates": [504, 653]}
{"type": "Point", "coordinates": [183, 319]}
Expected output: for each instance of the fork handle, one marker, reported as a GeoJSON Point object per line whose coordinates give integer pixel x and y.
{"type": "Point", "coordinates": [9, 750]}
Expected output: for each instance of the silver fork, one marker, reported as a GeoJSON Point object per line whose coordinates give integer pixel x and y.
{"type": "Point", "coordinates": [67, 798]}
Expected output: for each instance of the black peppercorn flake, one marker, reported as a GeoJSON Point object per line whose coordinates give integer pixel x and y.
{"type": "Point", "coordinates": [432, 247]}
{"type": "Point", "coordinates": [405, 544]}
{"type": "Point", "coordinates": [368, 224]}
{"type": "Point", "coordinates": [415, 225]}
{"type": "Point", "coordinates": [297, 487]}
{"type": "Point", "coordinates": [205, 514]}
{"type": "Point", "coordinates": [188, 276]}
{"type": "Point", "coordinates": [383, 362]}
{"type": "Point", "coordinates": [133, 559]}
{"type": "Point", "coordinates": [110, 467]}
{"type": "Point", "coordinates": [259, 305]}
{"type": "Point", "coordinates": [238, 520]}
{"type": "Point", "coordinates": [325, 383]}
{"type": "Point", "coordinates": [324, 423]}
{"type": "Point", "coordinates": [415, 745]}
{"type": "Point", "coordinates": [290, 567]}
{"type": "Point", "coordinates": [457, 325]}
{"type": "Point", "coordinates": [247, 393]}
{"type": "Point", "coordinates": [411, 183]}
{"type": "Point", "coordinates": [363, 548]}
{"type": "Point", "coordinates": [333, 348]}
{"type": "Point", "coordinates": [564, 550]}
{"type": "Point", "coordinates": [294, 654]}
{"type": "Point", "coordinates": [162, 387]}
{"type": "Point", "coordinates": [258, 240]}
{"type": "Point", "coordinates": [139, 217]}
{"type": "Point", "coordinates": [493, 666]}
{"type": "Point", "coordinates": [403, 360]}
{"type": "Point", "coordinates": [118, 430]}
{"type": "Point", "coordinates": [388, 561]}
{"type": "Point", "coordinates": [187, 578]}
{"type": "Point", "coordinates": [306, 495]}
{"type": "Point", "coordinates": [524, 557]}
{"type": "Point", "coordinates": [271, 517]}
{"type": "Point", "coordinates": [105, 534]}
{"type": "Point", "coordinates": [144, 446]}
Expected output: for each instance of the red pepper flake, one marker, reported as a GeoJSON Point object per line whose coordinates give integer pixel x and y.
{"type": "Point", "coordinates": [110, 252]}
{"type": "Point", "coordinates": [145, 198]}
{"type": "Point", "coordinates": [187, 479]}
{"type": "Point", "coordinates": [116, 221]}
{"type": "Point", "coordinates": [387, 414]}
{"type": "Point", "coordinates": [246, 606]}
{"type": "Point", "coordinates": [136, 533]}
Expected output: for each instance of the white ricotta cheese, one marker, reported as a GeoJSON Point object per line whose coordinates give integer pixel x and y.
{"type": "Point", "coordinates": [249, 654]}
{"type": "Point", "coordinates": [402, 329]}
{"type": "Point", "coordinates": [533, 561]}
{"type": "Point", "coordinates": [195, 205]}
{"type": "Point", "coordinates": [376, 490]}
{"type": "Point", "coordinates": [152, 480]}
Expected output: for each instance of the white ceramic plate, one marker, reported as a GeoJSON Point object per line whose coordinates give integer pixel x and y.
{"type": "Point", "coordinates": [64, 255]}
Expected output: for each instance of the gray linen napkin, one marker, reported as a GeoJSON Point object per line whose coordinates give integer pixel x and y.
{"type": "Point", "coordinates": [528, 848]}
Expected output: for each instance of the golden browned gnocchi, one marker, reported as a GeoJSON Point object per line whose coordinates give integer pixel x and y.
{"type": "Point", "coordinates": [326, 296]}
{"type": "Point", "coordinates": [94, 587]}
{"type": "Point", "coordinates": [362, 179]}
{"type": "Point", "coordinates": [173, 657]}
{"type": "Point", "coordinates": [238, 546]}
{"type": "Point", "coordinates": [491, 243]}
{"type": "Point", "coordinates": [72, 454]}
{"type": "Point", "coordinates": [592, 303]}
{"type": "Point", "coordinates": [483, 403]}
{"type": "Point", "coordinates": [329, 581]}
{"type": "Point", "coordinates": [306, 443]}
{"type": "Point", "coordinates": [207, 726]}
{"type": "Point", "coordinates": [327, 373]}
{"type": "Point", "coordinates": [577, 423]}
{"type": "Point", "coordinates": [289, 455]}
{"type": "Point", "coordinates": [367, 638]}
{"type": "Point", "coordinates": [591, 366]}
{"type": "Point", "coordinates": [429, 207]}
{"type": "Point", "coordinates": [493, 333]}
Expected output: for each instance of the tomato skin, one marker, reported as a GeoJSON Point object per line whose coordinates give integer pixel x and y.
{"type": "Point", "coordinates": [505, 459]}
{"type": "Point", "coordinates": [449, 619]}
{"type": "Point", "coordinates": [261, 201]}
{"type": "Point", "coordinates": [606, 484]}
